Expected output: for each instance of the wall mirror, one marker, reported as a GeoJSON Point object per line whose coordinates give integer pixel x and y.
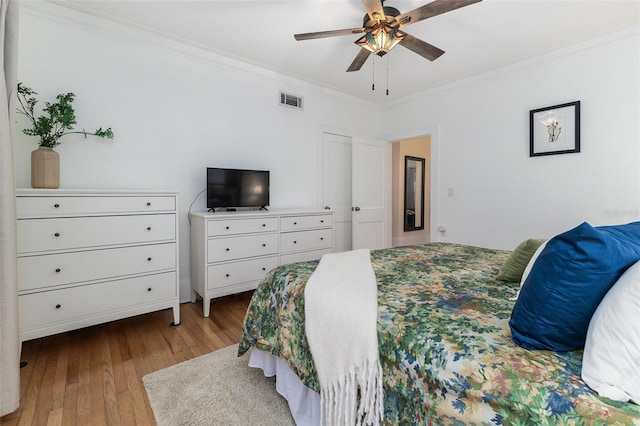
{"type": "Point", "coordinates": [413, 193]}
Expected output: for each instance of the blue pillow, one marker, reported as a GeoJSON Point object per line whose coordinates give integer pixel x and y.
{"type": "Point", "coordinates": [567, 282]}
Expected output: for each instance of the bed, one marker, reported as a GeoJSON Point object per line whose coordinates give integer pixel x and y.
{"type": "Point", "coordinates": [444, 343]}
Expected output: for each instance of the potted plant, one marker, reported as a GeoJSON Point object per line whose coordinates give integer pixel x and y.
{"type": "Point", "coordinates": [58, 121]}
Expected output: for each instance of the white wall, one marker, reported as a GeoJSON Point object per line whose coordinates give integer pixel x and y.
{"type": "Point", "coordinates": [501, 195]}
{"type": "Point", "coordinates": [174, 110]}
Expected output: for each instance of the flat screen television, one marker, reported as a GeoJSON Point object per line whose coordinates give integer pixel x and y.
{"type": "Point", "coordinates": [232, 188]}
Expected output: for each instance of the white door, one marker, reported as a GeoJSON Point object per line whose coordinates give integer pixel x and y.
{"type": "Point", "coordinates": [356, 184]}
{"type": "Point", "coordinates": [371, 198]}
{"type": "Point", "coordinates": [336, 187]}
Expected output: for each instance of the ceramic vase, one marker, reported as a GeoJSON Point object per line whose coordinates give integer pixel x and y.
{"type": "Point", "coordinates": [45, 168]}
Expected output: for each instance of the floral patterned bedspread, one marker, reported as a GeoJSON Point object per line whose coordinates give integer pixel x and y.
{"type": "Point", "coordinates": [445, 343]}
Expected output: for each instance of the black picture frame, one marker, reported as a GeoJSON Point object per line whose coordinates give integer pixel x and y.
{"type": "Point", "coordinates": [414, 176]}
{"type": "Point", "coordinates": [554, 129]}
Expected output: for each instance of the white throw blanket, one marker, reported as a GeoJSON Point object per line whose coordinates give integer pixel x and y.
{"type": "Point", "coordinates": [341, 316]}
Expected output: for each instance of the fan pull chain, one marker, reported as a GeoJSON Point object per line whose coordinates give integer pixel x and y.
{"type": "Point", "coordinates": [387, 75]}
{"type": "Point", "coordinates": [373, 73]}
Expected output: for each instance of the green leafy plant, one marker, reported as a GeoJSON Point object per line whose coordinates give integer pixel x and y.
{"type": "Point", "coordinates": [58, 121]}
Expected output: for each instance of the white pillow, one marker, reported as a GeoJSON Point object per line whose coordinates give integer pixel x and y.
{"type": "Point", "coordinates": [527, 270]}
{"type": "Point", "coordinates": [611, 359]}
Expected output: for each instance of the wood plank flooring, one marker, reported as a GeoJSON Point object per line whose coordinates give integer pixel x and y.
{"type": "Point", "coordinates": [93, 376]}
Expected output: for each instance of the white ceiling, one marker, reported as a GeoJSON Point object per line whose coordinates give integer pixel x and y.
{"type": "Point", "coordinates": [476, 38]}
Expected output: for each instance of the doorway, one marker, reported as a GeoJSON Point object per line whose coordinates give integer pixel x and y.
{"type": "Point", "coordinates": [419, 147]}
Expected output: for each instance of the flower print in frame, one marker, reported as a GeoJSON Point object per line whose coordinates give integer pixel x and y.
{"type": "Point", "coordinates": [554, 129]}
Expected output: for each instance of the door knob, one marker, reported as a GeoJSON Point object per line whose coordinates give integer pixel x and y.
{"type": "Point", "coordinates": [357, 209]}
{"type": "Point", "coordinates": [327, 208]}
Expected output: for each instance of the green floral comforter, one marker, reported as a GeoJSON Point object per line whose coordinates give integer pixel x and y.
{"type": "Point", "coordinates": [445, 344]}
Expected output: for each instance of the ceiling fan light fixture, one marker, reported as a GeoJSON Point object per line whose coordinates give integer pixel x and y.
{"type": "Point", "coordinates": [381, 38]}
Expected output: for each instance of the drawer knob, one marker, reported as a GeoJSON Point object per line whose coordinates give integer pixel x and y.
{"type": "Point", "coordinates": [227, 249]}
{"type": "Point", "coordinates": [148, 259]}
{"type": "Point", "coordinates": [295, 242]}
{"type": "Point", "coordinates": [226, 227]}
{"type": "Point", "coordinates": [264, 269]}
{"type": "Point", "coordinates": [58, 269]}
{"type": "Point", "coordinates": [227, 275]}
{"type": "Point", "coordinates": [148, 228]}
{"type": "Point", "coordinates": [321, 238]}
{"type": "Point", "coordinates": [148, 204]}
{"type": "Point", "coordinates": [56, 205]}
{"type": "Point", "coordinates": [57, 234]}
{"type": "Point", "coordinates": [264, 225]}
{"type": "Point", "coordinates": [149, 289]}
{"type": "Point", "coordinates": [264, 245]}
{"type": "Point", "coordinates": [295, 223]}
{"type": "Point", "coordinates": [58, 306]}
{"type": "Point", "coordinates": [321, 221]}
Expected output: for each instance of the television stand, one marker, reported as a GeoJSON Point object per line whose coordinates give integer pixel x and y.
{"type": "Point", "coordinates": [232, 253]}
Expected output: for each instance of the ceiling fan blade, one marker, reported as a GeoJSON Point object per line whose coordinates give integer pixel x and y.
{"type": "Point", "coordinates": [324, 34]}
{"type": "Point", "coordinates": [434, 8]}
{"type": "Point", "coordinates": [359, 61]}
{"type": "Point", "coordinates": [422, 48]}
{"type": "Point", "coordinates": [373, 6]}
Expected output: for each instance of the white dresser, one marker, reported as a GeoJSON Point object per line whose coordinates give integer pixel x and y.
{"type": "Point", "coordinates": [90, 256]}
{"type": "Point", "coordinates": [232, 252]}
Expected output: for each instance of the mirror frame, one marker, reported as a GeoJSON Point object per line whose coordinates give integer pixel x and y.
{"type": "Point", "coordinates": [407, 225]}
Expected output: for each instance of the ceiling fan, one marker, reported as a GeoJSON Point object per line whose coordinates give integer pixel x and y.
{"type": "Point", "coordinates": [382, 24]}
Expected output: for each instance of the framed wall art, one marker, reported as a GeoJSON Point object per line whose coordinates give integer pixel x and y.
{"type": "Point", "coordinates": [554, 129]}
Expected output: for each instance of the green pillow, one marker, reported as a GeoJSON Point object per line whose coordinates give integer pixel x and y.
{"type": "Point", "coordinates": [513, 268]}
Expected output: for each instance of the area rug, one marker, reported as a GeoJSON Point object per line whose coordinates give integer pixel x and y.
{"type": "Point", "coordinates": [215, 389]}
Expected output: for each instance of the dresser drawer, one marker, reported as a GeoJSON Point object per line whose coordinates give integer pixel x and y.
{"type": "Point", "coordinates": [306, 240]}
{"type": "Point", "coordinates": [50, 270]}
{"type": "Point", "coordinates": [294, 223]}
{"type": "Point", "coordinates": [47, 308]}
{"type": "Point", "coordinates": [66, 205]}
{"type": "Point", "coordinates": [37, 235]}
{"type": "Point", "coordinates": [223, 249]}
{"type": "Point", "coordinates": [232, 273]}
{"type": "Point", "coordinates": [241, 226]}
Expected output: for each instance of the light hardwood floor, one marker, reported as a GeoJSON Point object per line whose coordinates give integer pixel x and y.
{"type": "Point", "coordinates": [93, 376]}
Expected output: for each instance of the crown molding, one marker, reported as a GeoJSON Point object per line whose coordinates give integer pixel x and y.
{"type": "Point", "coordinates": [88, 20]}
{"type": "Point", "coordinates": [75, 14]}
{"type": "Point", "coordinates": [525, 64]}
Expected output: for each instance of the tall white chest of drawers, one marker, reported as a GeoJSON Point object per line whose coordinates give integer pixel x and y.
{"type": "Point", "coordinates": [232, 252]}
{"type": "Point", "coordinates": [88, 257]}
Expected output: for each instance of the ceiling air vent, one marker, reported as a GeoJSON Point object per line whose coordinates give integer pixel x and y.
{"type": "Point", "coordinates": [289, 100]}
